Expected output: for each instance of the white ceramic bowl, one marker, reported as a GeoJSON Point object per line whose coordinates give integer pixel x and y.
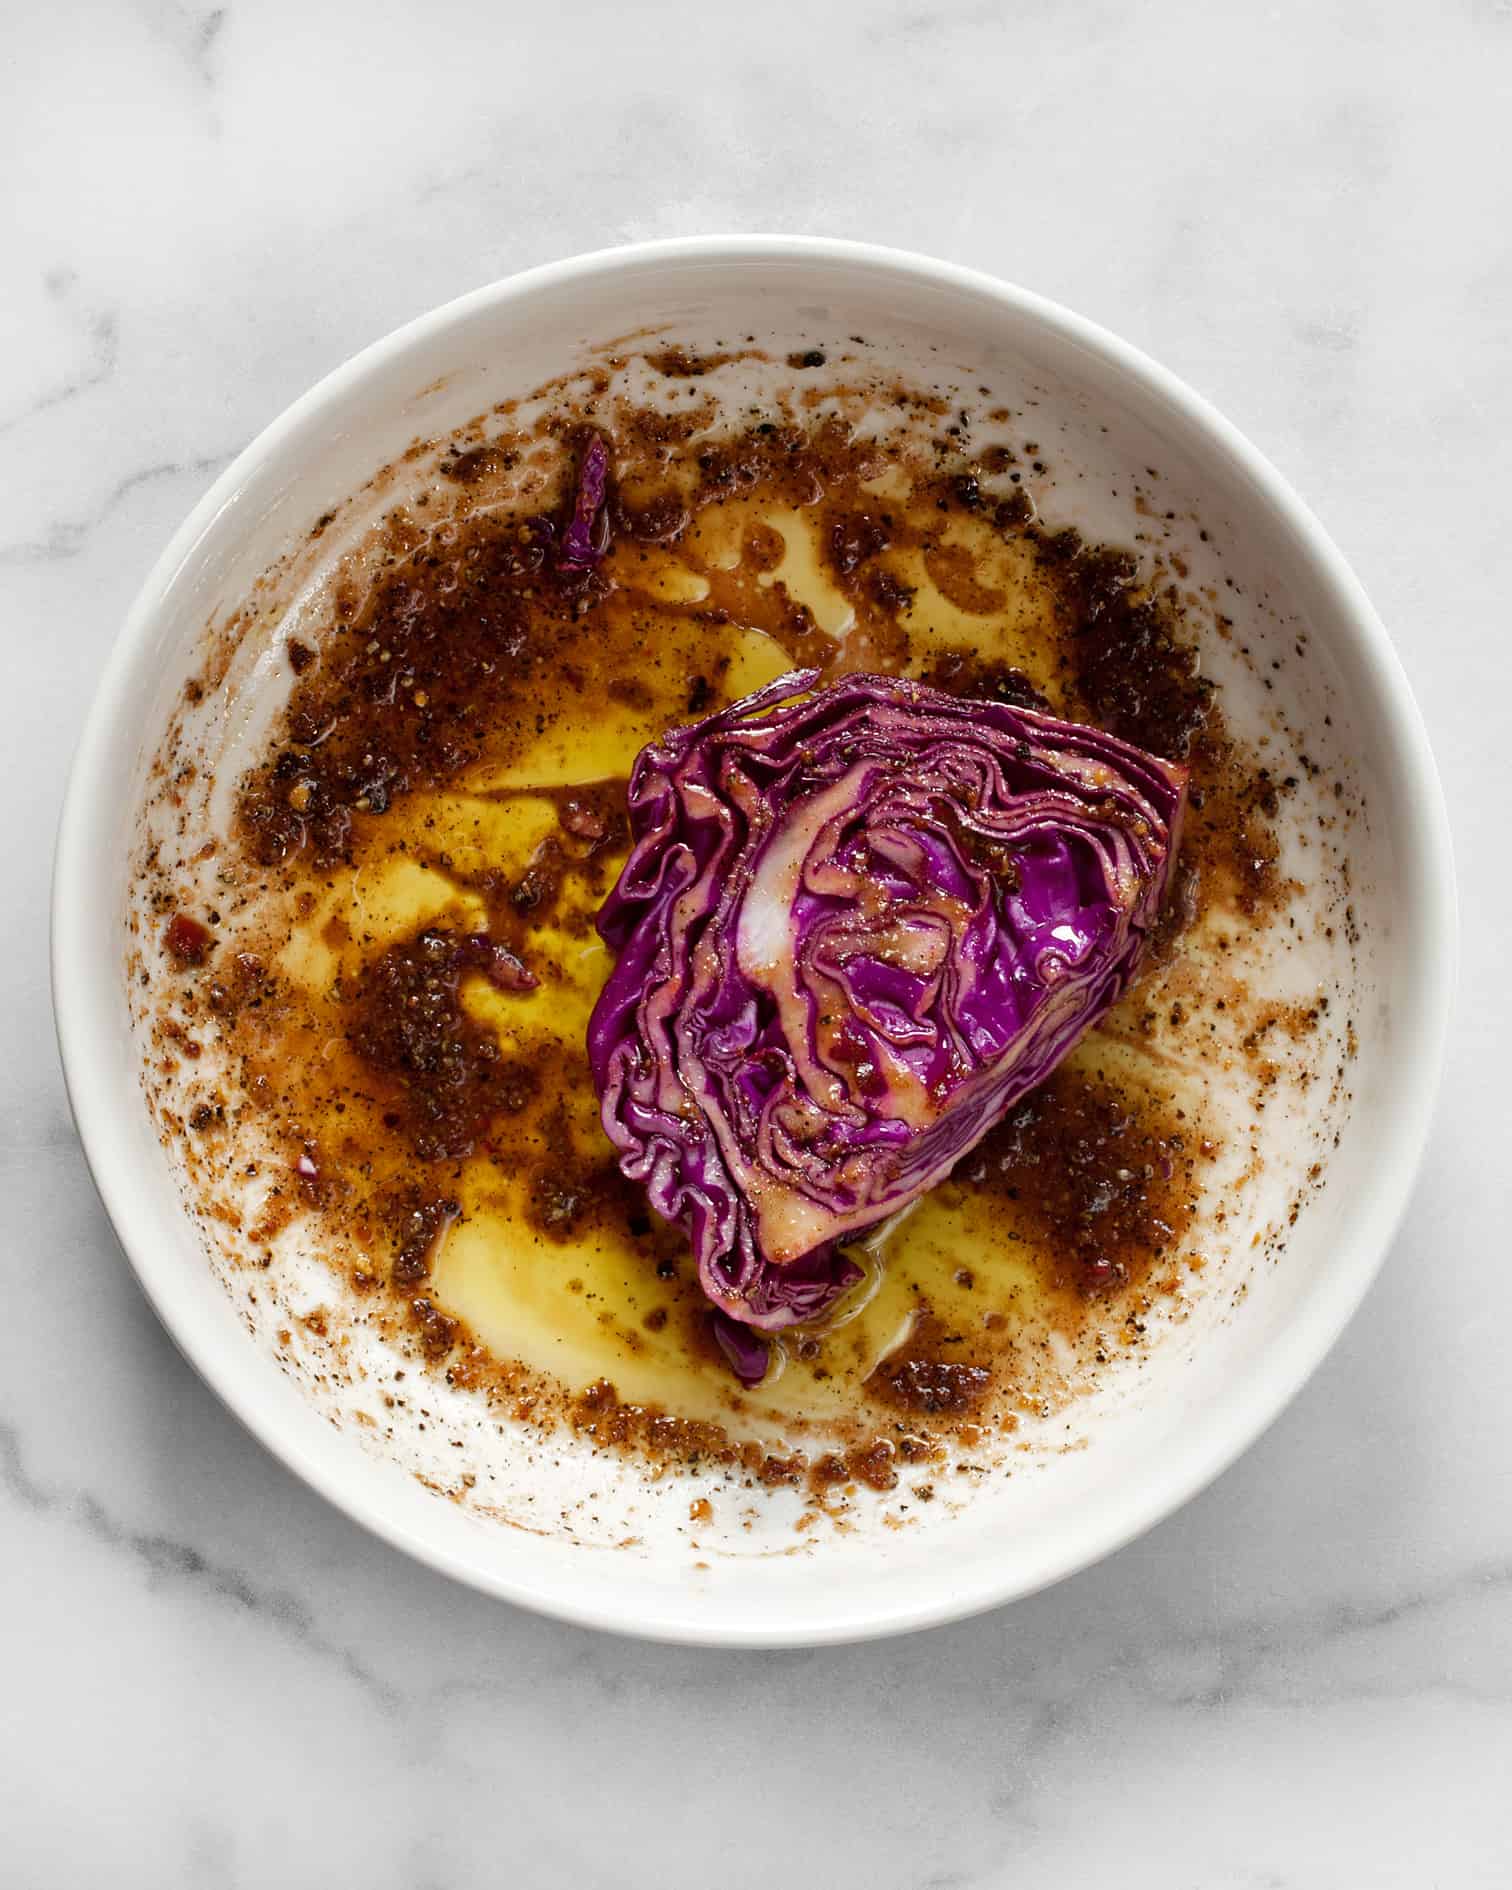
{"type": "Point", "coordinates": [1196, 1411]}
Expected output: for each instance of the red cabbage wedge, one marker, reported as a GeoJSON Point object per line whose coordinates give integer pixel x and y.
{"type": "Point", "coordinates": [856, 925]}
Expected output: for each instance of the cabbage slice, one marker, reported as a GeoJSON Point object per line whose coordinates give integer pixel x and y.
{"type": "Point", "coordinates": [856, 925]}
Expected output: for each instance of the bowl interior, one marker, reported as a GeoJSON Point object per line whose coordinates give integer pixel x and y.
{"type": "Point", "coordinates": [1203, 1394]}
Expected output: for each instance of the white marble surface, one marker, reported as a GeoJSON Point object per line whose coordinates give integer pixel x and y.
{"type": "Point", "coordinates": [1304, 1679]}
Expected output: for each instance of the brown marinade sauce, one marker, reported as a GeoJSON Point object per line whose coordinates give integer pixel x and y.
{"type": "Point", "coordinates": [444, 662]}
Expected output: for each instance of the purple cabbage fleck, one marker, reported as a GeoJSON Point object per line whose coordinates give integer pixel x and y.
{"type": "Point", "coordinates": [746, 1352]}
{"type": "Point", "coordinates": [586, 537]}
{"type": "Point", "coordinates": [856, 925]}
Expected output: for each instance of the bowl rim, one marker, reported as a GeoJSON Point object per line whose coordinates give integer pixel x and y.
{"type": "Point", "coordinates": [1258, 1397]}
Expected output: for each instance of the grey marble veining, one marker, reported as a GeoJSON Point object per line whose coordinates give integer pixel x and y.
{"type": "Point", "coordinates": [1301, 1682]}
